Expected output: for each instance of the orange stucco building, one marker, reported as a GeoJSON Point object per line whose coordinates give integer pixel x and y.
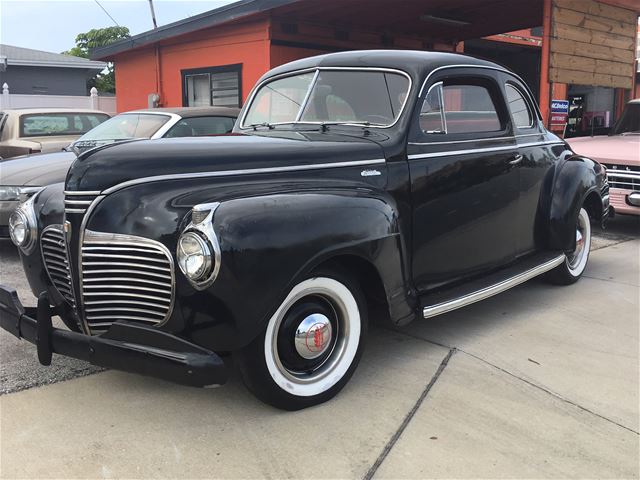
{"type": "Point", "coordinates": [217, 57]}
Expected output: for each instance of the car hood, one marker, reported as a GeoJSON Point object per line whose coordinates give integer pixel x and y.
{"type": "Point", "coordinates": [105, 167]}
{"type": "Point", "coordinates": [616, 149]}
{"type": "Point", "coordinates": [36, 170]}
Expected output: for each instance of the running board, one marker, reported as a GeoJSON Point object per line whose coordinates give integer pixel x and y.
{"type": "Point", "coordinates": [490, 286]}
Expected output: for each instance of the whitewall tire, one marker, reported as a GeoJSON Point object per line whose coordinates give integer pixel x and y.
{"type": "Point", "coordinates": [311, 345]}
{"type": "Point", "coordinates": [576, 261]}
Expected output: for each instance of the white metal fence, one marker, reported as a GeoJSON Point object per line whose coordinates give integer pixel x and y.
{"type": "Point", "coordinates": [92, 101]}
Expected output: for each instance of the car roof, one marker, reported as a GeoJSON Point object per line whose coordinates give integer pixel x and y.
{"type": "Point", "coordinates": [635, 100]}
{"type": "Point", "coordinates": [187, 112]}
{"type": "Point", "coordinates": [414, 62]}
{"type": "Point", "coordinates": [22, 111]}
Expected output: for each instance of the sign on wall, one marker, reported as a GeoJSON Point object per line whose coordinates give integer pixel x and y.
{"type": "Point", "coordinates": [592, 43]}
{"type": "Point", "coordinates": [559, 112]}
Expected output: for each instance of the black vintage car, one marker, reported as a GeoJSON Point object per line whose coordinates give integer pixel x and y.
{"type": "Point", "coordinates": [408, 183]}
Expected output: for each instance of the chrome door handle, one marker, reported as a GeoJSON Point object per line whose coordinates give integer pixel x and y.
{"type": "Point", "coordinates": [518, 158]}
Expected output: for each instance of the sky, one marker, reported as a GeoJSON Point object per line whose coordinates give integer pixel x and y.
{"type": "Point", "coordinates": [52, 25]}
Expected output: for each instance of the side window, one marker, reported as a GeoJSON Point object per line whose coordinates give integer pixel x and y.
{"type": "Point", "coordinates": [519, 108]}
{"type": "Point", "coordinates": [432, 114]}
{"type": "Point", "coordinates": [201, 126]}
{"type": "Point", "coordinates": [458, 107]}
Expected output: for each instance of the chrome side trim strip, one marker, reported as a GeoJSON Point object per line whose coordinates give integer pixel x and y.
{"type": "Point", "coordinates": [462, 152]}
{"type": "Point", "coordinates": [483, 150]}
{"type": "Point", "coordinates": [537, 144]}
{"type": "Point", "coordinates": [251, 171]}
{"type": "Point", "coordinates": [475, 140]}
{"type": "Point", "coordinates": [440, 308]}
{"type": "Point", "coordinates": [74, 210]}
{"type": "Point", "coordinates": [449, 142]}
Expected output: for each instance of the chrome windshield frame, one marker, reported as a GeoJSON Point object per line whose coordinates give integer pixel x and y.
{"type": "Point", "coordinates": [317, 71]}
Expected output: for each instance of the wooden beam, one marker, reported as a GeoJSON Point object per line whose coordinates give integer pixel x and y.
{"type": "Point", "coordinates": [583, 78]}
{"type": "Point", "coordinates": [599, 10]}
{"type": "Point", "coordinates": [591, 65]}
{"type": "Point", "coordinates": [579, 34]}
{"type": "Point", "coordinates": [591, 22]}
{"type": "Point", "coordinates": [590, 50]}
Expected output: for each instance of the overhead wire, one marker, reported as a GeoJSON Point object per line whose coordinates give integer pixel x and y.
{"type": "Point", "coordinates": [108, 14]}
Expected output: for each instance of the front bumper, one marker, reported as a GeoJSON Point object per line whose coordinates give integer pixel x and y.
{"type": "Point", "coordinates": [125, 346]}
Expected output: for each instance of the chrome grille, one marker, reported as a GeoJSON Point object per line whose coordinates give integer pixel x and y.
{"type": "Point", "coordinates": [78, 202]}
{"type": "Point", "coordinates": [125, 278]}
{"type": "Point", "coordinates": [56, 261]}
{"type": "Point", "coordinates": [624, 177]}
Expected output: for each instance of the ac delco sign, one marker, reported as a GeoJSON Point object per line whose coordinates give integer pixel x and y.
{"type": "Point", "coordinates": [559, 112]}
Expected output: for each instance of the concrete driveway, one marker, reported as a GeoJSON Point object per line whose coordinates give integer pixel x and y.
{"type": "Point", "coordinates": [539, 382]}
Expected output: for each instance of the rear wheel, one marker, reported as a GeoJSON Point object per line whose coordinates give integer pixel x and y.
{"type": "Point", "coordinates": [576, 261]}
{"type": "Point", "coordinates": [311, 345]}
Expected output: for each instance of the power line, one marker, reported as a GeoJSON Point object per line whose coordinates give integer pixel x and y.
{"type": "Point", "coordinates": [105, 11]}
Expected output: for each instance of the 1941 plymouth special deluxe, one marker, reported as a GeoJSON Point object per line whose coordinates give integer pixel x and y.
{"type": "Point", "coordinates": [410, 182]}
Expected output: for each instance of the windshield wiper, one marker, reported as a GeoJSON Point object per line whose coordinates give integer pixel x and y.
{"type": "Point", "coordinates": [364, 124]}
{"type": "Point", "coordinates": [263, 124]}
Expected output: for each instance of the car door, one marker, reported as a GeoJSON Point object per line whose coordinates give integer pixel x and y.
{"type": "Point", "coordinates": [463, 163]}
{"type": "Point", "coordinates": [537, 161]}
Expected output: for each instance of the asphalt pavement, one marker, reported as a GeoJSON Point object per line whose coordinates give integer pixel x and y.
{"type": "Point", "coordinates": [538, 382]}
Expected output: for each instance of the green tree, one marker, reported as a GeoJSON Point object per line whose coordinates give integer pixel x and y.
{"type": "Point", "coordinates": [95, 38]}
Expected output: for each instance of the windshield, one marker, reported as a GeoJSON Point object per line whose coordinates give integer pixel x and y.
{"type": "Point", "coordinates": [127, 126]}
{"type": "Point", "coordinates": [367, 97]}
{"type": "Point", "coordinates": [629, 122]}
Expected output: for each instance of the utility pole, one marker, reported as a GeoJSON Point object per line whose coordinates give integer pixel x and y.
{"type": "Point", "coordinates": [153, 15]}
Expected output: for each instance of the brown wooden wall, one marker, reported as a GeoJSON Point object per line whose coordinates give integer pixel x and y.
{"type": "Point", "coordinates": [592, 44]}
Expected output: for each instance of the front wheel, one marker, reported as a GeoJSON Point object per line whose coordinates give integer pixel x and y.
{"type": "Point", "coordinates": [576, 261]}
{"type": "Point", "coordinates": [311, 345]}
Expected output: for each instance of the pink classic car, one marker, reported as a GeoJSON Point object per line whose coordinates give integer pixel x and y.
{"type": "Point", "coordinates": [620, 153]}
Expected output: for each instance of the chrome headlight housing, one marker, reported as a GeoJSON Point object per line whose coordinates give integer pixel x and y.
{"type": "Point", "coordinates": [23, 226]}
{"type": "Point", "coordinates": [17, 194]}
{"type": "Point", "coordinates": [198, 251]}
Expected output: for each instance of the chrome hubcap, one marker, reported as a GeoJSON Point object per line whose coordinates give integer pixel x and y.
{"type": "Point", "coordinates": [576, 257]}
{"type": "Point", "coordinates": [313, 336]}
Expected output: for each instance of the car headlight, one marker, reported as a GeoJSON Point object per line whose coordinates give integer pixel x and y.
{"type": "Point", "coordinates": [18, 228]}
{"type": "Point", "coordinates": [23, 226]}
{"type": "Point", "coordinates": [17, 194]}
{"type": "Point", "coordinates": [198, 251]}
{"type": "Point", "coordinates": [194, 256]}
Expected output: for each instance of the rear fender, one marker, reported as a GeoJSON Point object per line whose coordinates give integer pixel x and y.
{"type": "Point", "coordinates": [576, 179]}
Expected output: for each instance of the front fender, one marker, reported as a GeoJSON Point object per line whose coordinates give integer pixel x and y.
{"type": "Point", "coordinates": [271, 242]}
{"type": "Point", "coordinates": [268, 241]}
{"type": "Point", "coordinates": [575, 179]}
